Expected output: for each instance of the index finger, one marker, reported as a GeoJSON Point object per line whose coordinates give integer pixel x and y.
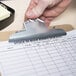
{"type": "Point", "coordinates": [32, 4]}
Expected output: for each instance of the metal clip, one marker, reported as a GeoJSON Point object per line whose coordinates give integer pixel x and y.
{"type": "Point", "coordinates": [34, 30]}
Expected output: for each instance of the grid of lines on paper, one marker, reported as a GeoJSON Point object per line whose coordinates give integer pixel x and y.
{"type": "Point", "coordinates": [50, 57]}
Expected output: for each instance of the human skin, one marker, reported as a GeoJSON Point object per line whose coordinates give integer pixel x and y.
{"type": "Point", "coordinates": [46, 10]}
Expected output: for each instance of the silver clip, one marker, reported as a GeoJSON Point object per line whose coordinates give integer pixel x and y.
{"type": "Point", "coordinates": [36, 25]}
{"type": "Point", "coordinates": [31, 27]}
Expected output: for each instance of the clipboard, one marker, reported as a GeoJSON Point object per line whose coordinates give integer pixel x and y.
{"type": "Point", "coordinates": [46, 45]}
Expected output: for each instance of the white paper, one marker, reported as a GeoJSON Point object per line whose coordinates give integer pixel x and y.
{"type": "Point", "coordinates": [4, 13]}
{"type": "Point", "coordinates": [49, 57]}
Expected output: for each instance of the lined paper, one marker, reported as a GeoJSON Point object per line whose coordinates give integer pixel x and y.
{"type": "Point", "coordinates": [49, 57]}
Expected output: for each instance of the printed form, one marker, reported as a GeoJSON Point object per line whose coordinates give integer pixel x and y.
{"type": "Point", "coordinates": [48, 57]}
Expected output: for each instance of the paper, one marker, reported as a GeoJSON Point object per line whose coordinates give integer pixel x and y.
{"type": "Point", "coordinates": [49, 57]}
{"type": "Point", "coordinates": [4, 13]}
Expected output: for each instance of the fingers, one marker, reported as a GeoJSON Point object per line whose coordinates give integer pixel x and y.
{"type": "Point", "coordinates": [32, 4]}
{"type": "Point", "coordinates": [65, 3]}
{"type": "Point", "coordinates": [53, 12]}
{"type": "Point", "coordinates": [57, 10]}
{"type": "Point", "coordinates": [37, 9]}
{"type": "Point", "coordinates": [54, 2]}
{"type": "Point", "coordinates": [47, 20]}
{"type": "Point", "coordinates": [50, 14]}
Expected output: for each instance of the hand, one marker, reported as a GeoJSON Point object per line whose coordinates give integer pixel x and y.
{"type": "Point", "coordinates": [46, 10]}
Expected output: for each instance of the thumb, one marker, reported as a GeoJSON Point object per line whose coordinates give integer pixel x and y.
{"type": "Point", "coordinates": [38, 10]}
